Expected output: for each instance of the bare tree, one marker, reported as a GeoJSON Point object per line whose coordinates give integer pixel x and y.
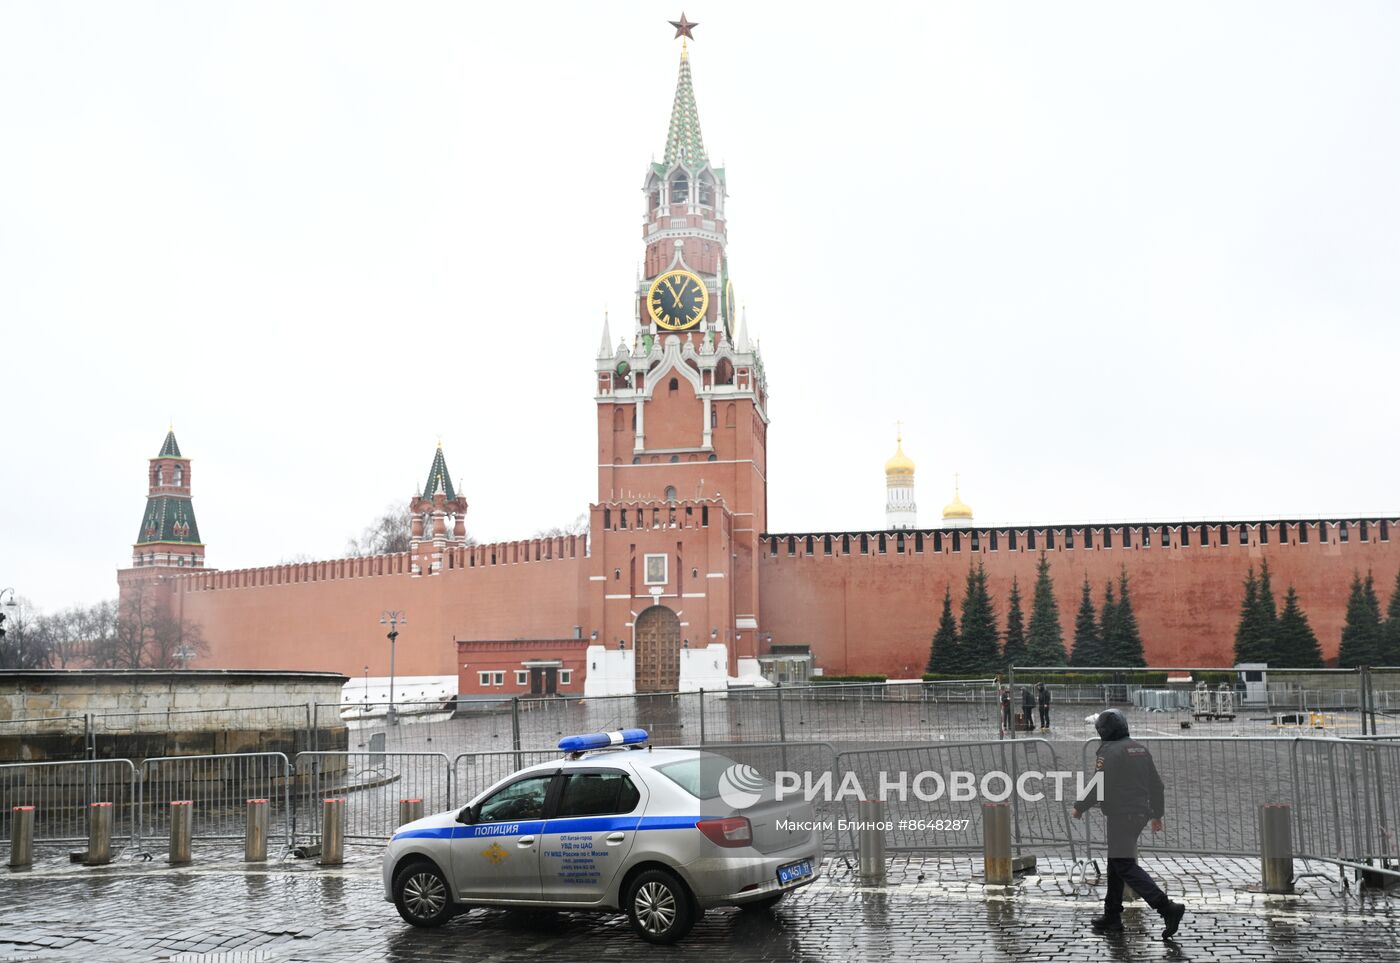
{"type": "Point", "coordinates": [390, 532]}
{"type": "Point", "coordinates": [25, 644]}
{"type": "Point", "coordinates": [579, 526]}
{"type": "Point", "coordinates": [149, 635]}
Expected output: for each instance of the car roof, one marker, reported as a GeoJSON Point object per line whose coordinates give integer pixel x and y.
{"type": "Point", "coordinates": [642, 758]}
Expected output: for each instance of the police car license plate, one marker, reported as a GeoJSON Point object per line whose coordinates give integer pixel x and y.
{"type": "Point", "coordinates": [793, 872]}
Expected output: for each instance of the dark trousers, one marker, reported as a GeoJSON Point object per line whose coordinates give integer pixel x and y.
{"type": "Point", "coordinates": [1045, 717]}
{"type": "Point", "coordinates": [1123, 867]}
{"type": "Point", "coordinates": [1006, 716]}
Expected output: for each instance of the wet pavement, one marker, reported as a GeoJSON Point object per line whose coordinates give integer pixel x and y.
{"type": "Point", "coordinates": [220, 911]}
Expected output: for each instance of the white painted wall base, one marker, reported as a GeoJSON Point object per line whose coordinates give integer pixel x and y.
{"type": "Point", "coordinates": [706, 668]}
{"type": "Point", "coordinates": [613, 671]}
{"type": "Point", "coordinates": [610, 672]}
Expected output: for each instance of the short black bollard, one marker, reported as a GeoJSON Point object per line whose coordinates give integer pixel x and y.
{"type": "Point", "coordinates": [21, 837]}
{"type": "Point", "coordinates": [181, 826]}
{"type": "Point", "coordinates": [410, 810]}
{"type": "Point", "coordinates": [99, 851]}
{"type": "Point", "coordinates": [255, 840]}
{"type": "Point", "coordinates": [996, 844]}
{"type": "Point", "coordinates": [332, 832]}
{"type": "Point", "coordinates": [1276, 847]}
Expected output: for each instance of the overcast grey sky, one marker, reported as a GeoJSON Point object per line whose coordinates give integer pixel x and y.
{"type": "Point", "coordinates": [1107, 260]}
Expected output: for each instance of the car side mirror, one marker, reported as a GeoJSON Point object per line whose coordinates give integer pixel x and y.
{"type": "Point", "coordinates": [467, 816]}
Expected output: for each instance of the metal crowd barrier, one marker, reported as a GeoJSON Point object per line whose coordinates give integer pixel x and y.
{"type": "Point", "coordinates": [61, 794]}
{"type": "Point", "coordinates": [371, 783]}
{"type": "Point", "coordinates": [1343, 794]}
{"type": "Point", "coordinates": [950, 825]}
{"type": "Point", "coordinates": [218, 788]}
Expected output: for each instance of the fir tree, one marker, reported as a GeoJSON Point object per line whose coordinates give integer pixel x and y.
{"type": "Point", "coordinates": [1108, 627]}
{"type": "Point", "coordinates": [1247, 638]}
{"type": "Point", "coordinates": [1128, 642]}
{"type": "Point", "coordinates": [977, 636]}
{"type": "Point", "coordinates": [1045, 644]}
{"type": "Point", "coordinates": [1297, 645]}
{"type": "Point", "coordinates": [944, 655]}
{"type": "Point", "coordinates": [1390, 654]}
{"type": "Point", "coordinates": [1267, 619]}
{"type": "Point", "coordinates": [1087, 650]}
{"type": "Point", "coordinates": [1361, 636]}
{"type": "Point", "coordinates": [1015, 650]}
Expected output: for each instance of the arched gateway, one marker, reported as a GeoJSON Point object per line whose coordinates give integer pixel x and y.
{"type": "Point", "coordinates": [658, 650]}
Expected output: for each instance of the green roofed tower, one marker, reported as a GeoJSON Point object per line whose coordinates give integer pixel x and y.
{"type": "Point", "coordinates": [437, 520]}
{"type": "Point", "coordinates": [169, 534]}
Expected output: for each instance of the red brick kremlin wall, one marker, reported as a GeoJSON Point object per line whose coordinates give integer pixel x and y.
{"type": "Point", "coordinates": [325, 615]}
{"type": "Point", "coordinates": [876, 613]}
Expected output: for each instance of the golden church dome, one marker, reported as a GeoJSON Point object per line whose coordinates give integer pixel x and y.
{"type": "Point", "coordinates": [957, 508]}
{"type": "Point", "coordinates": [900, 463]}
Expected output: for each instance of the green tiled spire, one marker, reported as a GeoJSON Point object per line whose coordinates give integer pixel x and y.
{"type": "Point", "coordinates": [683, 140]}
{"type": "Point", "coordinates": [438, 479]}
{"type": "Point", "coordinates": [171, 448]}
{"type": "Point", "coordinates": [169, 518]}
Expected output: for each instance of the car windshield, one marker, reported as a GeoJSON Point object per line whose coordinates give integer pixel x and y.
{"type": "Point", "coordinates": [699, 776]}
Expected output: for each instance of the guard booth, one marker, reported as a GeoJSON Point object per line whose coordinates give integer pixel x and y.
{"type": "Point", "coordinates": [1253, 684]}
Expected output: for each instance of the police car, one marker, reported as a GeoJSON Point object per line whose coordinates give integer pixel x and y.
{"type": "Point", "coordinates": [660, 834]}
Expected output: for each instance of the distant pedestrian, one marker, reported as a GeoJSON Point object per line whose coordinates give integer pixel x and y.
{"type": "Point", "coordinates": [1043, 700]}
{"type": "Point", "coordinates": [1133, 794]}
{"type": "Point", "coordinates": [1027, 709]}
{"type": "Point", "coordinates": [1006, 721]}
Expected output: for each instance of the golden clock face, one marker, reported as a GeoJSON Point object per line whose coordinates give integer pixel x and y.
{"type": "Point", "coordinates": [678, 300]}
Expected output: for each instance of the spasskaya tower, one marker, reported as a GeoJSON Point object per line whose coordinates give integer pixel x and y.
{"type": "Point", "coordinates": [682, 432]}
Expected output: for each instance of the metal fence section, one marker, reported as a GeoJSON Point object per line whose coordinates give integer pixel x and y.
{"type": "Point", "coordinates": [61, 794]}
{"type": "Point", "coordinates": [1214, 788]}
{"type": "Point", "coordinates": [1348, 795]}
{"type": "Point", "coordinates": [953, 822]}
{"type": "Point", "coordinates": [371, 783]}
{"type": "Point", "coordinates": [475, 772]}
{"type": "Point", "coordinates": [218, 788]}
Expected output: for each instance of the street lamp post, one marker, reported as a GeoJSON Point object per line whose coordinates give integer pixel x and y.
{"type": "Point", "coordinates": [7, 610]}
{"type": "Point", "coordinates": [392, 618]}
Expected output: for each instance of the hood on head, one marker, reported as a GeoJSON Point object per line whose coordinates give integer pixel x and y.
{"type": "Point", "coordinates": [1110, 725]}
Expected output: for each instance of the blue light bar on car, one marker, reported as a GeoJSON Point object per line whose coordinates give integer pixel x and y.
{"type": "Point", "coordinates": [601, 740]}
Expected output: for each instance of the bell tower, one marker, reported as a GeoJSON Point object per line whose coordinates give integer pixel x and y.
{"type": "Point", "coordinates": [682, 432]}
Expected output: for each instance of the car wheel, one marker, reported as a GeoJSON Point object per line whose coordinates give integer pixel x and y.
{"type": "Point", "coordinates": [759, 905]}
{"type": "Point", "coordinates": [421, 894]}
{"type": "Point", "coordinates": [660, 907]}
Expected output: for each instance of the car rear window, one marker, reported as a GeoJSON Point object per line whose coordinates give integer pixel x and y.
{"type": "Point", "coordinates": [698, 776]}
{"type": "Point", "coordinates": [597, 794]}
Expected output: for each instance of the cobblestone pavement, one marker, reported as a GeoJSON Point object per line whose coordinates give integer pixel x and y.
{"type": "Point", "coordinates": [928, 909]}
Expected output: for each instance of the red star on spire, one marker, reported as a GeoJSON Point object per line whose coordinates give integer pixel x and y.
{"type": "Point", "coordinates": [684, 26]}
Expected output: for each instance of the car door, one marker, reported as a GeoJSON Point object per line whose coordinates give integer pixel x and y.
{"type": "Point", "coordinates": [590, 832]}
{"type": "Point", "coordinates": [496, 855]}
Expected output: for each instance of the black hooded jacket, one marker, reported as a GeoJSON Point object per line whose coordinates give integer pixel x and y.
{"type": "Point", "coordinates": [1131, 784]}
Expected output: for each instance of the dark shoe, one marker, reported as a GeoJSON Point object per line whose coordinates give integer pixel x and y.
{"type": "Point", "coordinates": [1172, 916]}
{"type": "Point", "coordinates": [1106, 924]}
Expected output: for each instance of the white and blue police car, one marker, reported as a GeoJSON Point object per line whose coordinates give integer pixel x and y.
{"type": "Point", "coordinates": [616, 824]}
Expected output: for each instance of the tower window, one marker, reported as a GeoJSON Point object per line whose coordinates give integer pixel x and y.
{"type": "Point", "coordinates": [1244, 534]}
{"type": "Point", "coordinates": [711, 458]}
{"type": "Point", "coordinates": [680, 189]}
{"type": "Point", "coordinates": [707, 191]}
{"type": "Point", "coordinates": [673, 386]}
{"type": "Point", "coordinates": [675, 459]}
{"type": "Point", "coordinates": [670, 493]}
{"type": "Point", "coordinates": [1343, 532]}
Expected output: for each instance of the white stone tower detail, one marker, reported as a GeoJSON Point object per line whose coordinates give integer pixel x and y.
{"type": "Point", "coordinates": [900, 510]}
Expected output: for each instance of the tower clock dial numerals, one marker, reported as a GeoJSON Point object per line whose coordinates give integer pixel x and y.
{"type": "Point", "coordinates": [678, 300]}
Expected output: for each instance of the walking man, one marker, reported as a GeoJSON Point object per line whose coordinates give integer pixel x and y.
{"type": "Point", "coordinates": [1043, 699]}
{"type": "Point", "coordinates": [1132, 795]}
